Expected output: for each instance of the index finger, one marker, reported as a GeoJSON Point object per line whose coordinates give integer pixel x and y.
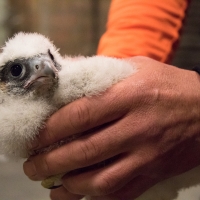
{"type": "Point", "coordinates": [82, 115]}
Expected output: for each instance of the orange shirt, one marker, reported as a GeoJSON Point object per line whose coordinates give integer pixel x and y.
{"type": "Point", "coordinates": [143, 27]}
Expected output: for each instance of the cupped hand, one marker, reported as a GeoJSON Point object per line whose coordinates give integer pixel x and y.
{"type": "Point", "coordinates": [142, 130]}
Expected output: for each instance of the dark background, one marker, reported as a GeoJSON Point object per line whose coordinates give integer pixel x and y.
{"type": "Point", "coordinates": [75, 26]}
{"type": "Point", "coordinates": [188, 52]}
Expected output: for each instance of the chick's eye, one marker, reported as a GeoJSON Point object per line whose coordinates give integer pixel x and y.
{"type": "Point", "coordinates": [16, 70]}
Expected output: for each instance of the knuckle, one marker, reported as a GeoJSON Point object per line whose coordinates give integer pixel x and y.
{"type": "Point", "coordinates": [79, 116]}
{"type": "Point", "coordinates": [85, 149]}
{"type": "Point", "coordinates": [104, 186]}
{"type": "Point", "coordinates": [43, 166]}
{"type": "Point", "coordinates": [90, 150]}
{"type": "Point", "coordinates": [70, 185]}
{"type": "Point", "coordinates": [147, 93]}
{"type": "Point", "coordinates": [47, 136]}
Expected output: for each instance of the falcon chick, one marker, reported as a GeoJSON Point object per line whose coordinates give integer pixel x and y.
{"type": "Point", "coordinates": [35, 81]}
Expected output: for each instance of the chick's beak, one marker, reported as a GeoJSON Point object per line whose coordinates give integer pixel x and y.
{"type": "Point", "coordinates": [41, 72]}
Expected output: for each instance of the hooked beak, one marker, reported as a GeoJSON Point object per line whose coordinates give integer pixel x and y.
{"type": "Point", "coordinates": [42, 71]}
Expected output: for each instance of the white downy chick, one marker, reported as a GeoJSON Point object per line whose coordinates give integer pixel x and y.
{"type": "Point", "coordinates": [35, 81]}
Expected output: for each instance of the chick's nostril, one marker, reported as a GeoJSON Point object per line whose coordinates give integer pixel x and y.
{"type": "Point", "coordinates": [37, 67]}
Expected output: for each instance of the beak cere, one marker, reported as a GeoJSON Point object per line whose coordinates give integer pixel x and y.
{"type": "Point", "coordinates": [43, 72]}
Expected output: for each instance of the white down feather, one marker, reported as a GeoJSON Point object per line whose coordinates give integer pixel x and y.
{"type": "Point", "coordinates": [21, 117]}
{"type": "Point", "coordinates": [24, 45]}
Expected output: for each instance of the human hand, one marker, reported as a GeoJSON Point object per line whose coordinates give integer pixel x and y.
{"type": "Point", "coordinates": [148, 124]}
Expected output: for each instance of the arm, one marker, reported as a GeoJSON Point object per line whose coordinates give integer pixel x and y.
{"type": "Point", "coordinates": [148, 28]}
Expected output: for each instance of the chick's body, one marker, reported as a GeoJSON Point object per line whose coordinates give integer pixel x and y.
{"type": "Point", "coordinates": [26, 102]}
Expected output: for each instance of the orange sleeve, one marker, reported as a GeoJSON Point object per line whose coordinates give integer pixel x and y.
{"type": "Point", "coordinates": [142, 27]}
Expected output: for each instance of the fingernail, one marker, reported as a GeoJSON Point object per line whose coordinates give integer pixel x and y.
{"type": "Point", "coordinates": [30, 170]}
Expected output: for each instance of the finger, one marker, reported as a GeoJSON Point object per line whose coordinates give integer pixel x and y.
{"type": "Point", "coordinates": [83, 152]}
{"type": "Point", "coordinates": [103, 181]}
{"type": "Point", "coordinates": [131, 190]}
{"type": "Point", "coordinates": [88, 150]}
{"type": "Point", "coordinates": [83, 114]}
{"type": "Point", "coordinates": [62, 194]}
{"type": "Point", "coordinates": [135, 188]}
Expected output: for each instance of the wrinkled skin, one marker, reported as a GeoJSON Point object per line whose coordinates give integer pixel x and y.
{"type": "Point", "coordinates": [149, 124]}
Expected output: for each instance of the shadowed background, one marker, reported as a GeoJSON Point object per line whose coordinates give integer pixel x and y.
{"type": "Point", "coordinates": [75, 26]}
